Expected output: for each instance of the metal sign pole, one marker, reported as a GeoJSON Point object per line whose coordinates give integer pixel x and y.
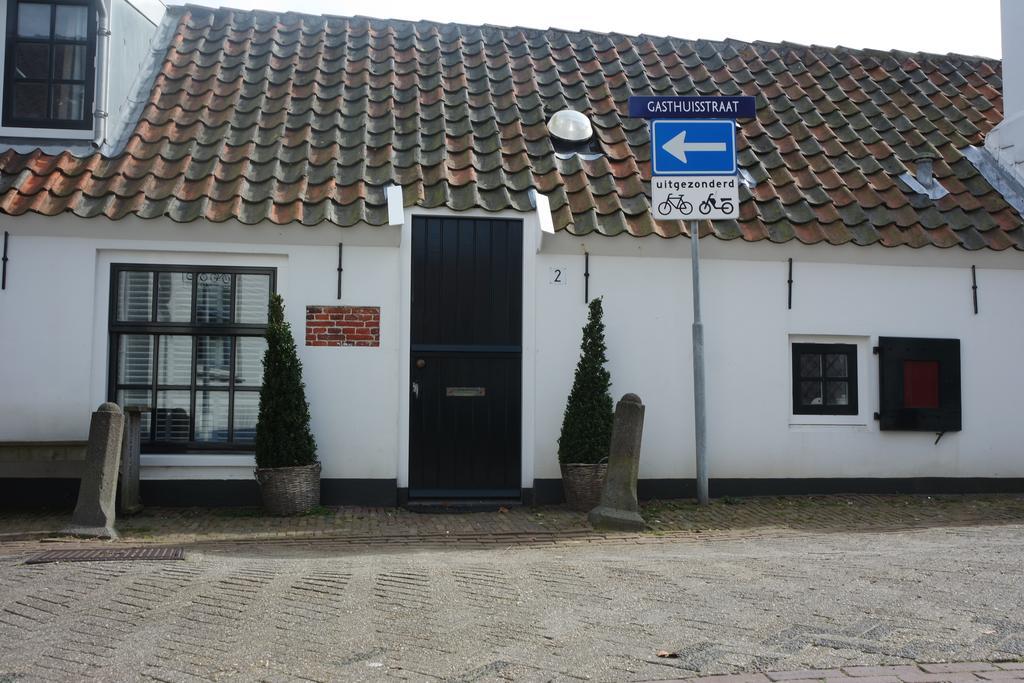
{"type": "Point", "coordinates": [699, 404]}
{"type": "Point", "coordinates": [695, 177]}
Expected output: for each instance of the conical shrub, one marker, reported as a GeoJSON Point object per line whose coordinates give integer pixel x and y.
{"type": "Point", "coordinates": [283, 437]}
{"type": "Point", "coordinates": [587, 423]}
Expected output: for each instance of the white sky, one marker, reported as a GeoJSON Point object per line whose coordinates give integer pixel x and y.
{"type": "Point", "coordinates": [964, 26]}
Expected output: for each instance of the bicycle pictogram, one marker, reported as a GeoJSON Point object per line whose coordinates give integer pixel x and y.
{"type": "Point", "coordinates": [675, 201]}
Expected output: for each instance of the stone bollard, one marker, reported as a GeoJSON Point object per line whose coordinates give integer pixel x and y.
{"type": "Point", "coordinates": [131, 461]}
{"type": "Point", "coordinates": [619, 508]}
{"type": "Point", "coordinates": [97, 494]}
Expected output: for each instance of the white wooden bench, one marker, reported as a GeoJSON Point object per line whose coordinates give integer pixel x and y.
{"type": "Point", "coordinates": [42, 459]}
{"type": "Point", "coordinates": [65, 460]}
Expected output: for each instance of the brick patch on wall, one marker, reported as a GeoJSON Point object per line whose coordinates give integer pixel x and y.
{"type": "Point", "coordinates": [342, 325]}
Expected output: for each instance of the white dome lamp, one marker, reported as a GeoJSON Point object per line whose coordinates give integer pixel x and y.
{"type": "Point", "coordinates": [571, 127]}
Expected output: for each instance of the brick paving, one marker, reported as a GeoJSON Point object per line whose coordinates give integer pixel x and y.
{"type": "Point", "coordinates": [858, 589]}
{"type": "Point", "coordinates": [826, 600]}
{"type": "Point", "coordinates": [373, 527]}
{"type": "Point", "coordinates": [958, 672]}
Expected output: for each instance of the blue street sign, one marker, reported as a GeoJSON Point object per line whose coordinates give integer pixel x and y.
{"type": "Point", "coordinates": [717, 107]}
{"type": "Point", "coordinates": [702, 147]}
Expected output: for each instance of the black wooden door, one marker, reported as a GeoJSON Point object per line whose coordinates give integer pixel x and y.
{"type": "Point", "coordinates": [465, 406]}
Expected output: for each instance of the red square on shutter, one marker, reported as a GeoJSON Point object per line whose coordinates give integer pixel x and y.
{"type": "Point", "coordinates": [920, 384]}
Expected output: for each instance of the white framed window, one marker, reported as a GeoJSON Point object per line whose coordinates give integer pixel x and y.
{"type": "Point", "coordinates": [830, 383]}
{"type": "Point", "coordinates": [49, 73]}
{"type": "Point", "coordinates": [187, 344]}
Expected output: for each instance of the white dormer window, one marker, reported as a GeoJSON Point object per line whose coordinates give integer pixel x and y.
{"type": "Point", "coordinates": [50, 59]}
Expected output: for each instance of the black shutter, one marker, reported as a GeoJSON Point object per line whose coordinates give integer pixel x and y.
{"type": "Point", "coordinates": [897, 358]}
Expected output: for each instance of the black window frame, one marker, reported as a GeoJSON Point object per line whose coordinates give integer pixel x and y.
{"type": "Point", "coordinates": [193, 329]}
{"type": "Point", "coordinates": [12, 38]}
{"type": "Point", "coordinates": [892, 415]}
{"type": "Point", "coordinates": [852, 406]}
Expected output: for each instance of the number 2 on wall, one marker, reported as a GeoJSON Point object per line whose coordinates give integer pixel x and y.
{"type": "Point", "coordinates": [557, 275]}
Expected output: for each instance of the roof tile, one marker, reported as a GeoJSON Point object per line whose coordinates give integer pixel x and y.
{"type": "Point", "coordinates": [290, 118]}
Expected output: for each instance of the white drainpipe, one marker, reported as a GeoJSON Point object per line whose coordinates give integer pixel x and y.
{"type": "Point", "coordinates": [1005, 142]}
{"type": "Point", "coordinates": [100, 112]}
{"type": "Point", "coordinates": [1011, 16]}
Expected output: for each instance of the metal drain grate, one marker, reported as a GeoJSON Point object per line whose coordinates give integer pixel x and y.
{"type": "Point", "coordinates": [107, 555]}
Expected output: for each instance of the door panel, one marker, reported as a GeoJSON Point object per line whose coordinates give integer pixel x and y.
{"type": "Point", "coordinates": [467, 282]}
{"type": "Point", "coordinates": [465, 402]}
{"type": "Point", "coordinates": [465, 425]}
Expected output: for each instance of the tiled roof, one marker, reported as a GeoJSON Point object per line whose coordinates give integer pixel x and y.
{"type": "Point", "coordinates": [295, 118]}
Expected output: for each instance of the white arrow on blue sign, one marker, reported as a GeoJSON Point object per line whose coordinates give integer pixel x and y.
{"type": "Point", "coordinates": [693, 147]}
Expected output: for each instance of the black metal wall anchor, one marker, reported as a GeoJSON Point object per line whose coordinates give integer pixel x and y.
{"type": "Point", "coordinates": [974, 288]}
{"type": "Point", "coordinates": [586, 277]}
{"type": "Point", "coordinates": [339, 270]}
{"type": "Point", "coordinates": [789, 283]}
{"type": "Point", "coordinates": [3, 277]}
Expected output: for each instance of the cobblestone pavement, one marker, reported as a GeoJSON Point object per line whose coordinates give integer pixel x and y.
{"type": "Point", "coordinates": [277, 611]}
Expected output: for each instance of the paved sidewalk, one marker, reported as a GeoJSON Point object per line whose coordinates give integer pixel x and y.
{"type": "Point", "coordinates": [539, 525]}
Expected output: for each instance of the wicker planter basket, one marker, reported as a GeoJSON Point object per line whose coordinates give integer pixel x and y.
{"type": "Point", "coordinates": [289, 490]}
{"type": "Point", "coordinates": [582, 484]}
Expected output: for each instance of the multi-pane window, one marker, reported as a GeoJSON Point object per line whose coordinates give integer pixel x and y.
{"type": "Point", "coordinates": [50, 73]}
{"type": "Point", "coordinates": [824, 379]}
{"type": "Point", "coordinates": [187, 344]}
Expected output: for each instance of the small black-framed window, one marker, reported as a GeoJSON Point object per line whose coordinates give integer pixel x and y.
{"type": "Point", "coordinates": [919, 384]}
{"type": "Point", "coordinates": [824, 379]}
{"type": "Point", "coordinates": [50, 76]}
{"type": "Point", "coordinates": [186, 346]}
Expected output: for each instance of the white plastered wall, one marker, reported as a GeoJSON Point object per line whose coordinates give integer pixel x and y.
{"type": "Point", "coordinates": [849, 294]}
{"type": "Point", "coordinates": [53, 319]}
